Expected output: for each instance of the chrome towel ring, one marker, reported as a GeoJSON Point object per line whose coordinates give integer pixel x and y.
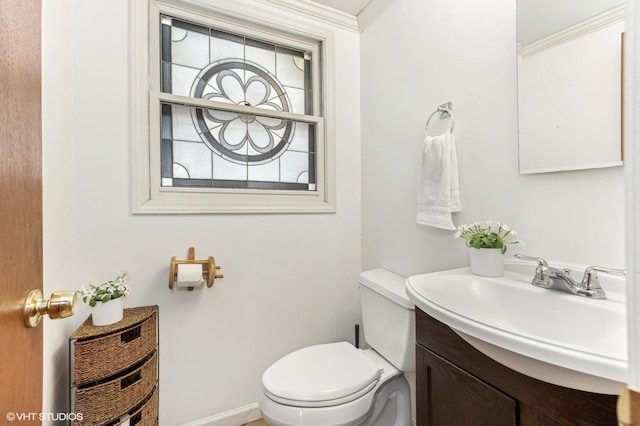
{"type": "Point", "coordinates": [443, 110]}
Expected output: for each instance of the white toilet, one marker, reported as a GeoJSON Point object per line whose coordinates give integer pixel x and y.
{"type": "Point", "coordinates": [337, 384]}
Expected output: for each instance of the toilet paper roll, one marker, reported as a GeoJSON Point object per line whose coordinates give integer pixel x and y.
{"type": "Point", "coordinates": [190, 275]}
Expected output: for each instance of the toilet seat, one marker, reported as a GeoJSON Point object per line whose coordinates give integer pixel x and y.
{"type": "Point", "coordinates": [321, 376]}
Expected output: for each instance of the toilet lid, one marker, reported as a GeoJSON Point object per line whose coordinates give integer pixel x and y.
{"type": "Point", "coordinates": [321, 375]}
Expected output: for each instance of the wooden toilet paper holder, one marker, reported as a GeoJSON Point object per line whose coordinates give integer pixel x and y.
{"type": "Point", "coordinates": [208, 269]}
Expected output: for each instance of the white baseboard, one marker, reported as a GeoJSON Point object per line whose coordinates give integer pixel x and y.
{"type": "Point", "coordinates": [236, 417]}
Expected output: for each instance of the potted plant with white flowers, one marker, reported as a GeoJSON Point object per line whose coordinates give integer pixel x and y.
{"type": "Point", "coordinates": [106, 299]}
{"type": "Point", "coordinates": [487, 242]}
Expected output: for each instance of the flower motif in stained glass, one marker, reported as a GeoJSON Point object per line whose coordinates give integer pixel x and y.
{"type": "Point", "coordinates": [242, 137]}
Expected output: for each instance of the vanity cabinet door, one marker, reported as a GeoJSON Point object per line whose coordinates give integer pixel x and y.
{"type": "Point", "coordinates": [450, 396]}
{"type": "Point", "coordinates": [457, 386]}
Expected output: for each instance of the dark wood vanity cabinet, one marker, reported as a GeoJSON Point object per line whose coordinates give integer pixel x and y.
{"type": "Point", "coordinates": [455, 397]}
{"type": "Point", "coordinates": [459, 386]}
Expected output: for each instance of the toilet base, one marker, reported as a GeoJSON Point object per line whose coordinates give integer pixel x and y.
{"type": "Point", "coordinates": [389, 404]}
{"type": "Point", "coordinates": [396, 411]}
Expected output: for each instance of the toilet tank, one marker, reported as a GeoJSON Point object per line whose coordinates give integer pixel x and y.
{"type": "Point", "coordinates": [388, 317]}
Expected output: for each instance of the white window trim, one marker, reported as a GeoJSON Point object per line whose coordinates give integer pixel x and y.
{"type": "Point", "coordinates": [147, 195]}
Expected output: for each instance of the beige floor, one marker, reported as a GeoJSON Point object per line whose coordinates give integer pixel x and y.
{"type": "Point", "coordinates": [257, 423]}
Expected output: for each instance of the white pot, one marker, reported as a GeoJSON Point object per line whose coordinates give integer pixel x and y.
{"type": "Point", "coordinates": [108, 313]}
{"type": "Point", "coordinates": [487, 262]}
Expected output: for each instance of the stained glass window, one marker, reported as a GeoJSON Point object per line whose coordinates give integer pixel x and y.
{"type": "Point", "coordinates": [242, 120]}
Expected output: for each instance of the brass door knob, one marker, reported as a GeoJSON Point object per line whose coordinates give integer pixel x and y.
{"type": "Point", "coordinates": [61, 304]}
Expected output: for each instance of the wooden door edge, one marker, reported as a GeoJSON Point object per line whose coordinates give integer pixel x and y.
{"type": "Point", "coordinates": [628, 408]}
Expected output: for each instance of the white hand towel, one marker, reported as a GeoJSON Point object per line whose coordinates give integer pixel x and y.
{"type": "Point", "coordinates": [438, 186]}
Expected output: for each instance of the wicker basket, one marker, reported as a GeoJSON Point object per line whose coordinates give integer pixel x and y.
{"type": "Point", "coordinates": [100, 352]}
{"type": "Point", "coordinates": [104, 402]}
{"type": "Point", "coordinates": [147, 415]}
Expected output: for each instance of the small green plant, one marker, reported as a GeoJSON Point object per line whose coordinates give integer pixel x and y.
{"type": "Point", "coordinates": [105, 292]}
{"type": "Point", "coordinates": [487, 234]}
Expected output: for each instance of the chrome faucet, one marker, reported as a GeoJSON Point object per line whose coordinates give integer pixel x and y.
{"type": "Point", "coordinates": [560, 279]}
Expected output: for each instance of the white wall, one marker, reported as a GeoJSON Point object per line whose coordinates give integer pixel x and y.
{"type": "Point", "coordinates": [417, 55]}
{"type": "Point", "coordinates": [290, 280]}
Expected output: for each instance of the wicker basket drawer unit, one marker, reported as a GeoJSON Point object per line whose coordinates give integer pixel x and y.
{"type": "Point", "coordinates": [114, 370]}
{"type": "Point", "coordinates": [146, 414]}
{"type": "Point", "coordinates": [99, 352]}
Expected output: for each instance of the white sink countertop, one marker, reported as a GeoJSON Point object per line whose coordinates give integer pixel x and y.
{"type": "Point", "coordinates": [556, 337]}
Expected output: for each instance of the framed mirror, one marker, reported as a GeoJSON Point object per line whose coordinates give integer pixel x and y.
{"type": "Point", "coordinates": [569, 84]}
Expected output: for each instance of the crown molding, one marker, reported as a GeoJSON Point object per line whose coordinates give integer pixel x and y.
{"type": "Point", "coordinates": [315, 11]}
{"type": "Point", "coordinates": [588, 26]}
{"type": "Point", "coordinates": [371, 12]}
{"type": "Point", "coordinates": [304, 8]}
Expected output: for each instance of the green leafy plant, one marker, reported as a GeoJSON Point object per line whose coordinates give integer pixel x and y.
{"type": "Point", "coordinates": [487, 234]}
{"type": "Point", "coordinates": [105, 292]}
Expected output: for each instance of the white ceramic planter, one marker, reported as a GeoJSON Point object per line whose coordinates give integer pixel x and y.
{"type": "Point", "coordinates": [486, 262]}
{"type": "Point", "coordinates": [108, 313]}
